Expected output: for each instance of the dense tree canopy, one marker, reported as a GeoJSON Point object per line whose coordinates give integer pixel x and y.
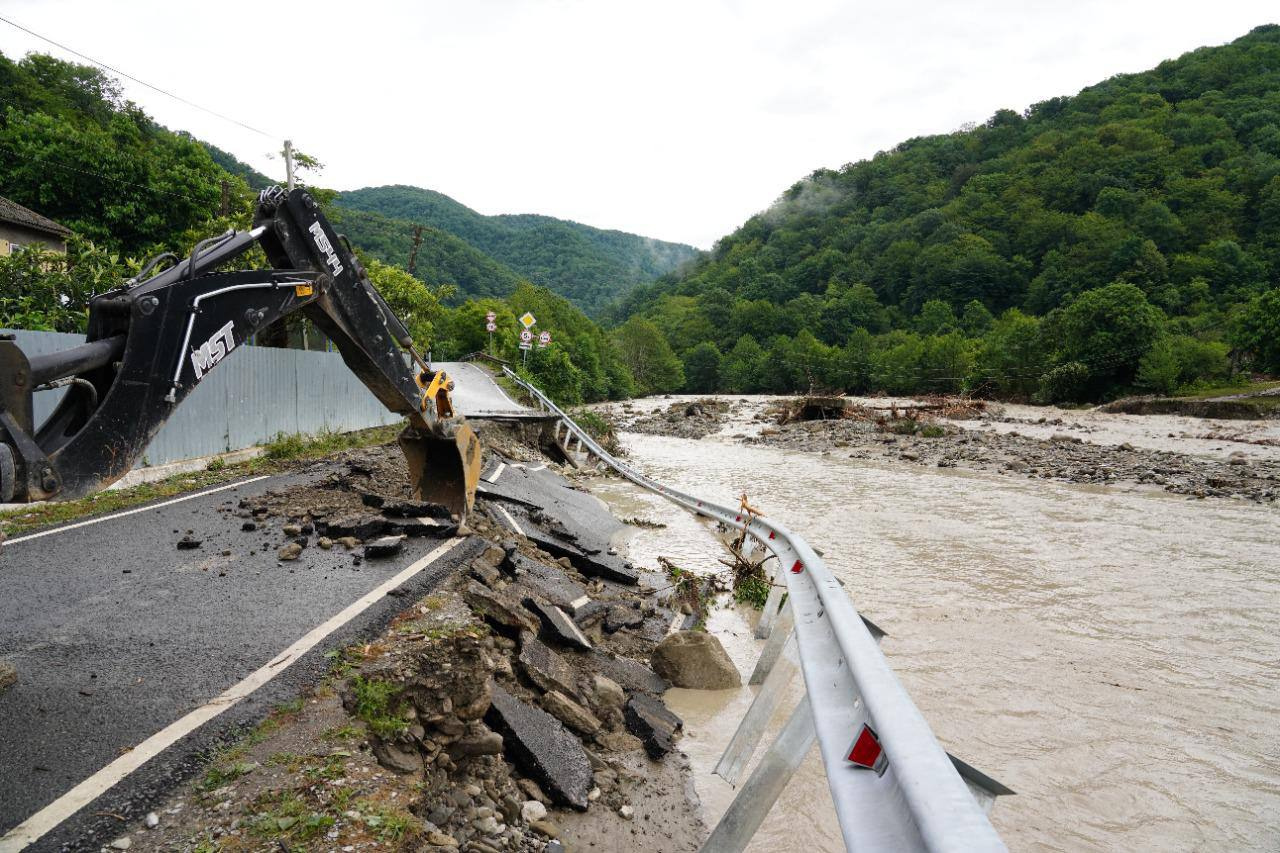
{"type": "Point", "coordinates": [1153, 194]}
{"type": "Point", "coordinates": [588, 266]}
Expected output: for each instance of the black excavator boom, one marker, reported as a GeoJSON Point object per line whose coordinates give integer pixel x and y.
{"type": "Point", "coordinates": [153, 339]}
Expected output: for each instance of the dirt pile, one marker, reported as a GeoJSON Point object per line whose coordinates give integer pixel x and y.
{"type": "Point", "coordinates": [682, 419]}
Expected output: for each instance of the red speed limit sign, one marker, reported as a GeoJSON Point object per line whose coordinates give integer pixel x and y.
{"type": "Point", "coordinates": [544, 338]}
{"type": "Point", "coordinates": [526, 335]}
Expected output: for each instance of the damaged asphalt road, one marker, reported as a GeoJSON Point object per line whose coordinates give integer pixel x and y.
{"type": "Point", "coordinates": [116, 633]}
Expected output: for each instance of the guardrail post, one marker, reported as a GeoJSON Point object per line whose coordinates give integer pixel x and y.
{"type": "Point", "coordinates": [743, 745]}
{"type": "Point", "coordinates": [773, 646]}
{"type": "Point", "coordinates": [748, 810]}
{"type": "Point", "coordinates": [769, 612]}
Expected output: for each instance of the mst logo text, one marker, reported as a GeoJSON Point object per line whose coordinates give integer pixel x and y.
{"type": "Point", "coordinates": [213, 350]}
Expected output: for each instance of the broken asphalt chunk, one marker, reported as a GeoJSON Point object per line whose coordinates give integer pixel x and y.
{"type": "Point", "coordinates": [558, 626]}
{"type": "Point", "coordinates": [387, 546]}
{"type": "Point", "coordinates": [187, 543]}
{"type": "Point", "coordinates": [542, 748]}
{"type": "Point", "coordinates": [650, 720]}
{"type": "Point", "coordinates": [499, 609]}
{"type": "Point", "coordinates": [544, 667]}
{"type": "Point", "coordinates": [359, 526]}
{"type": "Point", "coordinates": [631, 674]}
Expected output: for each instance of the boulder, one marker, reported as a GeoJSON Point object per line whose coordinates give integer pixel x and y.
{"type": "Point", "coordinates": [542, 748]}
{"type": "Point", "coordinates": [395, 756]}
{"type": "Point", "coordinates": [696, 660]}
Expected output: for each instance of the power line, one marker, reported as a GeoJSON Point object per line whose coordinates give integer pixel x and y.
{"type": "Point", "coordinates": [114, 70]}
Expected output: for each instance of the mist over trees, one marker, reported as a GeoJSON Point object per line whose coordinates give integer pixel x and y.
{"type": "Point", "coordinates": [1126, 238]}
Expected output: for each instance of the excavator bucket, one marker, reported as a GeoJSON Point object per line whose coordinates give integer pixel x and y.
{"type": "Point", "coordinates": [444, 469]}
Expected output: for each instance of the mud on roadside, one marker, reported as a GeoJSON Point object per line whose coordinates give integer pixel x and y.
{"type": "Point", "coordinates": [510, 710]}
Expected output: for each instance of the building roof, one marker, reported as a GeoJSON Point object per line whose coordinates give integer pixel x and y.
{"type": "Point", "coordinates": [11, 211]}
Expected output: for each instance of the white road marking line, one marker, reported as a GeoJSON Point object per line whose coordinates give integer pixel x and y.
{"type": "Point", "coordinates": [577, 632]}
{"type": "Point", "coordinates": [116, 515]}
{"type": "Point", "coordinates": [497, 472]}
{"type": "Point", "coordinates": [676, 622]}
{"type": "Point", "coordinates": [514, 524]}
{"type": "Point", "coordinates": [580, 602]}
{"type": "Point", "coordinates": [49, 817]}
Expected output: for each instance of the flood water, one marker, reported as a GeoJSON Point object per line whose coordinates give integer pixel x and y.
{"type": "Point", "coordinates": [1112, 655]}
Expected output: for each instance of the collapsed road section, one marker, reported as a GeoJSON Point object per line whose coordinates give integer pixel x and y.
{"type": "Point", "coordinates": [508, 704]}
{"type": "Point", "coordinates": [893, 785]}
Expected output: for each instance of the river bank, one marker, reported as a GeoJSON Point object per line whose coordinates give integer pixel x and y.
{"type": "Point", "coordinates": [1186, 456]}
{"type": "Point", "coordinates": [1106, 650]}
{"type": "Point", "coordinates": [512, 709]}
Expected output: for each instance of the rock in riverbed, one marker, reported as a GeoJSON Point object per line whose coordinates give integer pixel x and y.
{"type": "Point", "coordinates": [696, 660]}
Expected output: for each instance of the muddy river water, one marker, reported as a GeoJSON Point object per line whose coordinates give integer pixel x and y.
{"type": "Point", "coordinates": [1113, 655]}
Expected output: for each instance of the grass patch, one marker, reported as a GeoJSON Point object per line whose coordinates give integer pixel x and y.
{"type": "Point", "coordinates": [286, 450]}
{"type": "Point", "coordinates": [597, 426]}
{"type": "Point", "coordinates": [341, 734]}
{"type": "Point", "coordinates": [932, 431]}
{"type": "Point", "coordinates": [388, 824]}
{"type": "Point", "coordinates": [283, 815]}
{"type": "Point", "coordinates": [376, 705]}
{"type": "Point", "coordinates": [221, 775]}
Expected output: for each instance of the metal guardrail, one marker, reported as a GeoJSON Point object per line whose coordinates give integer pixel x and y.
{"type": "Point", "coordinates": [893, 785]}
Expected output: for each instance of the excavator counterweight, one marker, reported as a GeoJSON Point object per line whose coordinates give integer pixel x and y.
{"type": "Point", "coordinates": [154, 338]}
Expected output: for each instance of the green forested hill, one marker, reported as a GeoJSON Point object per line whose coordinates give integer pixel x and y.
{"type": "Point", "coordinates": [589, 266]}
{"type": "Point", "coordinates": [1150, 198]}
{"type": "Point", "coordinates": [442, 258]}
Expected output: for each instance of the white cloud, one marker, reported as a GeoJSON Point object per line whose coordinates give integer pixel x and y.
{"type": "Point", "coordinates": [671, 119]}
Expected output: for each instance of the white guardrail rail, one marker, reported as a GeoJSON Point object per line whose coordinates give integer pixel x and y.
{"type": "Point", "coordinates": [894, 786]}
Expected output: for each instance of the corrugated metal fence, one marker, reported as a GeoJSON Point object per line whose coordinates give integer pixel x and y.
{"type": "Point", "coordinates": [253, 396]}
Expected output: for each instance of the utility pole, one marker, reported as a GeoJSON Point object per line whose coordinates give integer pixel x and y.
{"type": "Point", "coordinates": [226, 198]}
{"type": "Point", "coordinates": [288, 164]}
{"type": "Point", "coordinates": [413, 253]}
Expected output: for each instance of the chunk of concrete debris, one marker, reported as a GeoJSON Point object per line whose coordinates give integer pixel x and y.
{"type": "Point", "coordinates": [542, 748]}
{"type": "Point", "coordinates": [124, 842]}
{"type": "Point", "coordinates": [290, 552]}
{"type": "Point", "coordinates": [571, 713]}
{"type": "Point", "coordinates": [152, 820]}
{"type": "Point", "coordinates": [607, 692]}
{"type": "Point", "coordinates": [348, 542]}
{"type": "Point", "coordinates": [188, 542]}
{"type": "Point", "coordinates": [696, 660]}
{"type": "Point", "coordinates": [558, 626]}
{"type": "Point", "coordinates": [648, 719]}
{"type": "Point", "coordinates": [499, 609]}
{"type": "Point", "coordinates": [387, 546]}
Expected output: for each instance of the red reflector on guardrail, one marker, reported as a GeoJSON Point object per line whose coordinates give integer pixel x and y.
{"type": "Point", "coordinates": [866, 751]}
{"type": "Point", "coordinates": [771, 534]}
{"type": "Point", "coordinates": [797, 568]}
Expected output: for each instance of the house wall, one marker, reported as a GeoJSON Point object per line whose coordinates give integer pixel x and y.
{"type": "Point", "coordinates": [23, 236]}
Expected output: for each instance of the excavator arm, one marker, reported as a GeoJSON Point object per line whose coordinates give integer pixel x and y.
{"type": "Point", "coordinates": [152, 340]}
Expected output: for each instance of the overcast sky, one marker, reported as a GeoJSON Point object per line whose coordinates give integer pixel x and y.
{"type": "Point", "coordinates": [675, 120]}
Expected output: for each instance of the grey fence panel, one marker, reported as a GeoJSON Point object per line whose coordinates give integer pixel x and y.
{"type": "Point", "coordinates": [248, 399]}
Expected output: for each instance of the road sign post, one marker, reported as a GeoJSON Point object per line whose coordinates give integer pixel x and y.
{"type": "Point", "coordinates": [526, 342]}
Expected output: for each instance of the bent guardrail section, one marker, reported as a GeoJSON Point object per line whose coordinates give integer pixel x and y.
{"type": "Point", "coordinates": [894, 786]}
